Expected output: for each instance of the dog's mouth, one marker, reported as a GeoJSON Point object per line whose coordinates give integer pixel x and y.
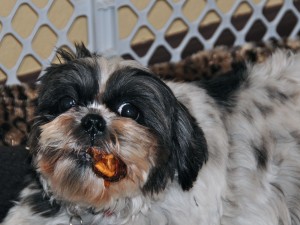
{"type": "Point", "coordinates": [107, 166]}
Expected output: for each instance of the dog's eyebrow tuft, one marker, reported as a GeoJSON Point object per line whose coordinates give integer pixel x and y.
{"type": "Point", "coordinates": [81, 52]}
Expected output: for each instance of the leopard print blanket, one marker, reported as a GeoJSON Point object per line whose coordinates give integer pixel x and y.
{"type": "Point", "coordinates": [18, 102]}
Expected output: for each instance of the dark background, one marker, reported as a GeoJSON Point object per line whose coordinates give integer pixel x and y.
{"type": "Point", "coordinates": [14, 167]}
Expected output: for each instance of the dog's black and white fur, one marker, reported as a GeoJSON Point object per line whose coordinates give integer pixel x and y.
{"type": "Point", "coordinates": [224, 151]}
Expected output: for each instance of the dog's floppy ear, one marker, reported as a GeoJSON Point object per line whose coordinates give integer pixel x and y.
{"type": "Point", "coordinates": [189, 147]}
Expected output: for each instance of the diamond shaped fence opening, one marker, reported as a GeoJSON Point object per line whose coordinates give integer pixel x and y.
{"type": "Point", "coordinates": [44, 41]}
{"type": "Point", "coordinates": [161, 54]}
{"type": "Point", "coordinates": [193, 46]}
{"type": "Point", "coordinates": [176, 33]}
{"type": "Point", "coordinates": [245, 11]}
{"type": "Point", "coordinates": [159, 14]}
{"type": "Point", "coordinates": [271, 10]}
{"type": "Point", "coordinates": [209, 24]}
{"type": "Point", "coordinates": [27, 66]}
{"type": "Point", "coordinates": [192, 9]}
{"type": "Point", "coordinates": [285, 29]}
{"type": "Point", "coordinates": [127, 20]}
{"type": "Point", "coordinates": [225, 8]}
{"type": "Point", "coordinates": [297, 4]}
{"type": "Point", "coordinates": [6, 7]}
{"type": "Point", "coordinates": [40, 3]}
{"type": "Point", "coordinates": [24, 20]}
{"type": "Point", "coordinates": [60, 13]}
{"type": "Point", "coordinates": [226, 38]}
{"type": "Point", "coordinates": [140, 5]}
{"type": "Point", "coordinates": [10, 48]}
{"type": "Point", "coordinates": [142, 41]}
{"type": "Point", "coordinates": [256, 32]}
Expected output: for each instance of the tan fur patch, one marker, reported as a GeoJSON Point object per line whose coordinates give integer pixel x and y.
{"type": "Point", "coordinates": [57, 132]}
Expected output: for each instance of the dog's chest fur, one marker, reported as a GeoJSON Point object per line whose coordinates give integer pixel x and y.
{"type": "Point", "coordinates": [252, 175]}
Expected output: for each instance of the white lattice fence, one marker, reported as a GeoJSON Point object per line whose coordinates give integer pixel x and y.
{"type": "Point", "coordinates": [169, 28]}
{"type": "Point", "coordinates": [224, 25]}
{"type": "Point", "coordinates": [33, 43]}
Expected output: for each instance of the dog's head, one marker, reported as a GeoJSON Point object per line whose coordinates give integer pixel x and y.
{"type": "Point", "coordinates": [96, 116]}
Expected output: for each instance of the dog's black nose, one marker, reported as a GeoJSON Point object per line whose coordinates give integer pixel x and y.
{"type": "Point", "coordinates": [94, 124]}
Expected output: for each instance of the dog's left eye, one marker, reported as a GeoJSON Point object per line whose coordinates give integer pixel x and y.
{"type": "Point", "coordinates": [128, 110]}
{"type": "Point", "coordinates": [66, 103]}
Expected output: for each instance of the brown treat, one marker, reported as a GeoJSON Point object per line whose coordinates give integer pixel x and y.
{"type": "Point", "coordinates": [107, 166]}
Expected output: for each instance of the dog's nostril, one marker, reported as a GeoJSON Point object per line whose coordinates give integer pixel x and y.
{"type": "Point", "coordinates": [93, 123]}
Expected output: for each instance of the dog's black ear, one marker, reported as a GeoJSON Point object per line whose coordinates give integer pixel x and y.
{"type": "Point", "coordinates": [189, 147]}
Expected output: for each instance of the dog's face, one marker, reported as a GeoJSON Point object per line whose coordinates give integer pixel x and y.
{"type": "Point", "coordinates": [118, 109]}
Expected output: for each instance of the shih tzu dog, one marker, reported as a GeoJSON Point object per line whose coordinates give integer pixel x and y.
{"type": "Point", "coordinates": [114, 144]}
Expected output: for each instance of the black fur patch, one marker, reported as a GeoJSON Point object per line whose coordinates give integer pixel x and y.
{"type": "Point", "coordinates": [275, 94]}
{"type": "Point", "coordinates": [261, 155]}
{"type": "Point", "coordinates": [40, 204]}
{"type": "Point", "coordinates": [191, 147]}
{"type": "Point", "coordinates": [296, 135]}
{"type": "Point", "coordinates": [265, 110]}
{"type": "Point", "coordinates": [248, 115]}
{"type": "Point", "coordinates": [280, 221]}
{"type": "Point", "coordinates": [223, 88]}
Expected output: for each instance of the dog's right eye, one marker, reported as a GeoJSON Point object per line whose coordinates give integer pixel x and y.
{"type": "Point", "coordinates": [66, 103]}
{"type": "Point", "coordinates": [128, 110]}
